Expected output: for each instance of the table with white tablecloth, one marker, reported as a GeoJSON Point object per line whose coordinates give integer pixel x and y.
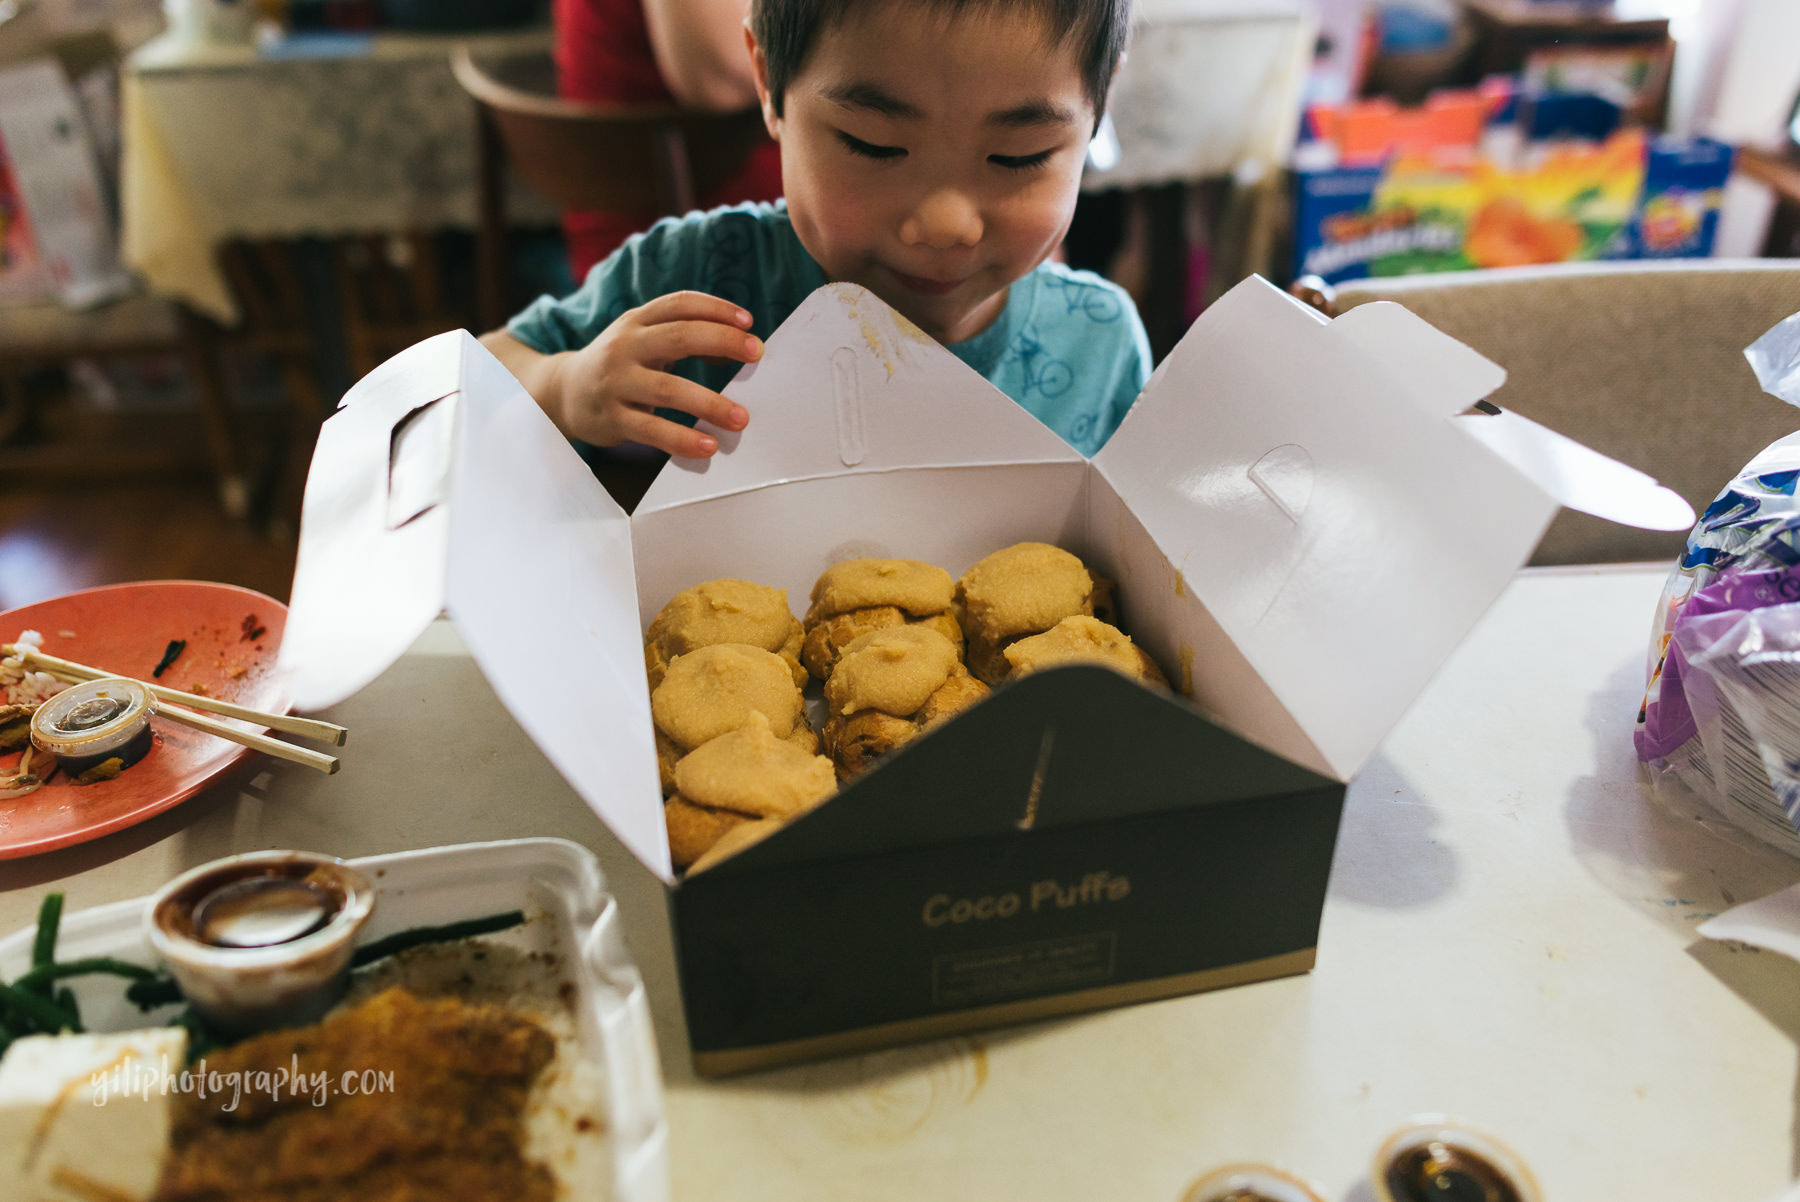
{"type": "Point", "coordinates": [1509, 936]}
{"type": "Point", "coordinates": [367, 134]}
{"type": "Point", "coordinates": [1210, 90]}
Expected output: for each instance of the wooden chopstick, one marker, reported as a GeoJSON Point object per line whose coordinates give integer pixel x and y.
{"type": "Point", "coordinates": [306, 728]}
{"type": "Point", "coordinates": [327, 764]}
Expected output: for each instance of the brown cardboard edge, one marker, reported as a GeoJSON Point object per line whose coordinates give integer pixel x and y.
{"type": "Point", "coordinates": [770, 1055]}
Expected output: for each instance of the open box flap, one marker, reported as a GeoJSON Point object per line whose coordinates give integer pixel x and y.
{"type": "Point", "coordinates": [541, 590]}
{"type": "Point", "coordinates": [882, 396]}
{"type": "Point", "coordinates": [1578, 476]}
{"type": "Point", "coordinates": [439, 487]}
{"type": "Point", "coordinates": [1442, 376]}
{"type": "Point", "coordinates": [368, 577]}
{"type": "Point", "coordinates": [1343, 532]}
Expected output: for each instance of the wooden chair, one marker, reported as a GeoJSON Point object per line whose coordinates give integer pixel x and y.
{"type": "Point", "coordinates": [47, 335]}
{"type": "Point", "coordinates": [1642, 361]}
{"type": "Point", "coordinates": [651, 159]}
{"type": "Point", "coordinates": [394, 290]}
{"type": "Point", "coordinates": [266, 280]}
{"type": "Point", "coordinates": [258, 478]}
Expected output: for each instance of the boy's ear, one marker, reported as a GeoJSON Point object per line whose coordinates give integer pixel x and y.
{"type": "Point", "coordinates": [759, 66]}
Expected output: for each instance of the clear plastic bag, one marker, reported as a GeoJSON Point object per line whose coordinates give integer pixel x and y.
{"type": "Point", "coordinates": [1721, 712]}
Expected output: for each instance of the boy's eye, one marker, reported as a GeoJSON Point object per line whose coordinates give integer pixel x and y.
{"type": "Point", "coordinates": [1021, 162]}
{"type": "Point", "coordinates": [869, 149]}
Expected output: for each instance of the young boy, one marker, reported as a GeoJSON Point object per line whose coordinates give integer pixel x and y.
{"type": "Point", "coordinates": [931, 151]}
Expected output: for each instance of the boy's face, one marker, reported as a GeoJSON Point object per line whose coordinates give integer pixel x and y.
{"type": "Point", "coordinates": [932, 160]}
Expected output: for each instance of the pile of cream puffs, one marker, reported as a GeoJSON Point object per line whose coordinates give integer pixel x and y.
{"type": "Point", "coordinates": [895, 646]}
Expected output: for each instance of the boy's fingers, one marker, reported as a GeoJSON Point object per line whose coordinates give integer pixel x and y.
{"type": "Point", "coordinates": [664, 391]}
{"type": "Point", "coordinates": [671, 341]}
{"type": "Point", "coordinates": [694, 306]}
{"type": "Point", "coordinates": [668, 436]}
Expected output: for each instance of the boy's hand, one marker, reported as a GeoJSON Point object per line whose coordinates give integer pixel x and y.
{"type": "Point", "coordinates": [607, 391]}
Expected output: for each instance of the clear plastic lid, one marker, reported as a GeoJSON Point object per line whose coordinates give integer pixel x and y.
{"type": "Point", "coordinates": [92, 718]}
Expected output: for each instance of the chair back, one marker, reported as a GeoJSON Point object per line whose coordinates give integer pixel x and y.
{"type": "Point", "coordinates": [1643, 361]}
{"type": "Point", "coordinates": [651, 159]}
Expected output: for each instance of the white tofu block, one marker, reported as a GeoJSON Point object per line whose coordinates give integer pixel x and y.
{"type": "Point", "coordinates": [87, 1117]}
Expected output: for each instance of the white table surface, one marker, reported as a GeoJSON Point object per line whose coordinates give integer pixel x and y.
{"type": "Point", "coordinates": [1509, 937]}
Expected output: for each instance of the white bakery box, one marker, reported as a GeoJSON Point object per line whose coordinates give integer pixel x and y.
{"type": "Point", "coordinates": [1302, 521]}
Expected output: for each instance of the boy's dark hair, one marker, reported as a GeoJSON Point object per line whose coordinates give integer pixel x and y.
{"type": "Point", "coordinates": [786, 29]}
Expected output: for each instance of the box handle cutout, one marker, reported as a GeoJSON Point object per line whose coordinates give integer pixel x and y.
{"type": "Point", "coordinates": [419, 456]}
{"type": "Point", "coordinates": [846, 395]}
{"type": "Point", "coordinates": [1285, 476]}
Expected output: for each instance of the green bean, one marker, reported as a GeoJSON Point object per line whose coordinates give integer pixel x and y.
{"type": "Point", "coordinates": [87, 966]}
{"type": "Point", "coordinates": [42, 1012]}
{"type": "Point", "coordinates": [43, 949]}
{"type": "Point", "coordinates": [418, 936]}
{"type": "Point", "coordinates": [65, 998]}
{"type": "Point", "coordinates": [151, 992]}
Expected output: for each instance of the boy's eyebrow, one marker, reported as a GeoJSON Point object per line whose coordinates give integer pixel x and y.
{"type": "Point", "coordinates": [877, 99]}
{"type": "Point", "coordinates": [871, 96]}
{"type": "Point", "coordinates": [1031, 113]}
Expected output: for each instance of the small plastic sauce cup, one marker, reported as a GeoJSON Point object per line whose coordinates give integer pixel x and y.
{"type": "Point", "coordinates": [1435, 1156]}
{"type": "Point", "coordinates": [261, 940]}
{"type": "Point", "coordinates": [1252, 1183]}
{"type": "Point", "coordinates": [92, 722]}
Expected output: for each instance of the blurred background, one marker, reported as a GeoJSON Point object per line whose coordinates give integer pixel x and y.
{"type": "Point", "coordinates": [216, 215]}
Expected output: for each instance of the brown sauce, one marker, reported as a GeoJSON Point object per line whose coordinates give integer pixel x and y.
{"type": "Point", "coordinates": [262, 911]}
{"type": "Point", "coordinates": [1437, 1172]}
{"type": "Point", "coordinates": [258, 906]}
{"type": "Point", "coordinates": [92, 714]}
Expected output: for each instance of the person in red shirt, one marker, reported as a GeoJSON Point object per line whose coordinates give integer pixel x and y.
{"type": "Point", "coordinates": [691, 52]}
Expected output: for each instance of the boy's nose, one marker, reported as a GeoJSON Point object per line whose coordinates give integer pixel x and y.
{"type": "Point", "coordinates": [943, 219]}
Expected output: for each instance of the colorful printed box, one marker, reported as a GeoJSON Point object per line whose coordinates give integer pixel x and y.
{"type": "Point", "coordinates": [1627, 197]}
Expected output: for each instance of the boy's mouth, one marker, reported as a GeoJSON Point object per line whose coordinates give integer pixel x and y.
{"type": "Point", "coordinates": [928, 287]}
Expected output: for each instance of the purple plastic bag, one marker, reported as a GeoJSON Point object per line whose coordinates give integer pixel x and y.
{"type": "Point", "coordinates": [1721, 710]}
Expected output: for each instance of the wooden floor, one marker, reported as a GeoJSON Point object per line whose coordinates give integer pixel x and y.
{"type": "Point", "coordinates": [57, 538]}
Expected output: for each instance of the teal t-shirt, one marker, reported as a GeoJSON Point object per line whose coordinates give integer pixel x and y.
{"type": "Point", "coordinates": [1069, 346]}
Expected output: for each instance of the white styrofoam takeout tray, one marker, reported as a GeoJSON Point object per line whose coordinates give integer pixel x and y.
{"type": "Point", "coordinates": [568, 911]}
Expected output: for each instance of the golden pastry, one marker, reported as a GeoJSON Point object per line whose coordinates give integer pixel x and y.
{"type": "Point", "coordinates": [723, 611]}
{"type": "Point", "coordinates": [891, 670]}
{"type": "Point", "coordinates": [956, 694]}
{"type": "Point", "coordinates": [693, 829]}
{"type": "Point", "coordinates": [856, 741]}
{"type": "Point", "coordinates": [887, 687]}
{"type": "Point", "coordinates": [861, 596]}
{"type": "Point", "coordinates": [733, 841]}
{"type": "Point", "coordinates": [1022, 590]}
{"type": "Point", "coordinates": [744, 776]}
{"type": "Point", "coordinates": [714, 690]}
{"type": "Point", "coordinates": [754, 772]}
{"type": "Point", "coordinates": [1084, 640]}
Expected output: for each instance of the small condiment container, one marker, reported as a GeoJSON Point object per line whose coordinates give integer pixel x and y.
{"type": "Point", "coordinates": [1440, 1159]}
{"type": "Point", "coordinates": [261, 940]}
{"type": "Point", "coordinates": [1253, 1183]}
{"type": "Point", "coordinates": [87, 724]}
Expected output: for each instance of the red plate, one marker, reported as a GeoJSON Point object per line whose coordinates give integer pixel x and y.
{"type": "Point", "coordinates": [125, 628]}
